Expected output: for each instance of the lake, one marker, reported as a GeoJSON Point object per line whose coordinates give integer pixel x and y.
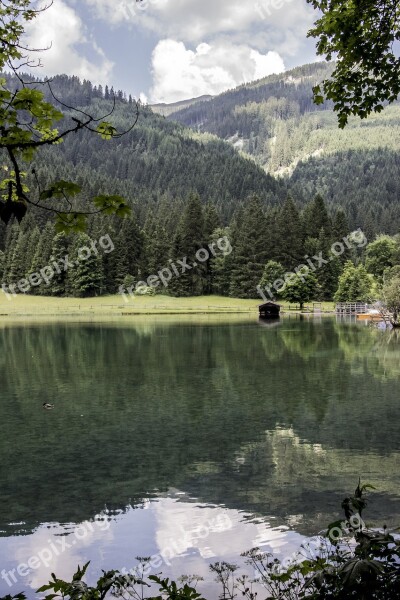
{"type": "Point", "coordinates": [188, 440]}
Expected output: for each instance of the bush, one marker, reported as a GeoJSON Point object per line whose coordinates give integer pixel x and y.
{"type": "Point", "coordinates": [145, 291]}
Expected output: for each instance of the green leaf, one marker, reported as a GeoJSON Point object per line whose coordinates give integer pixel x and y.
{"type": "Point", "coordinates": [106, 130]}
{"type": "Point", "coordinates": [70, 223]}
{"type": "Point", "coordinates": [44, 588]}
{"type": "Point", "coordinates": [112, 205]}
{"type": "Point", "coordinates": [61, 189]}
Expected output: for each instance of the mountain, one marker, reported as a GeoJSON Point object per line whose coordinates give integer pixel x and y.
{"type": "Point", "coordinates": [168, 109]}
{"type": "Point", "coordinates": [189, 189]}
{"type": "Point", "coordinates": [275, 122]}
{"type": "Point", "coordinates": [250, 117]}
{"type": "Point", "coordinates": [158, 159]}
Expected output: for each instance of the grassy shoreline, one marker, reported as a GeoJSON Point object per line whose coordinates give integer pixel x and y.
{"type": "Point", "coordinates": [32, 306]}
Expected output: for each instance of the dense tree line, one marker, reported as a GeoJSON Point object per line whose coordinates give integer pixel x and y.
{"type": "Point", "coordinates": [255, 235]}
{"type": "Point", "coordinates": [367, 181]}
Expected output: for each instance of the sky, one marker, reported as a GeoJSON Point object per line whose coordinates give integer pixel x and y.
{"type": "Point", "coordinates": [171, 50]}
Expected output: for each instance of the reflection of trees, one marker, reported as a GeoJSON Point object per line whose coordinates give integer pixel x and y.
{"type": "Point", "coordinates": [371, 351]}
{"type": "Point", "coordinates": [388, 355]}
{"type": "Point", "coordinates": [205, 408]}
{"type": "Point", "coordinates": [301, 340]}
{"type": "Point", "coordinates": [306, 479]}
{"type": "Point", "coordinates": [356, 342]}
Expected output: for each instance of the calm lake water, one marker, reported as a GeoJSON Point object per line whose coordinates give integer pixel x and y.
{"type": "Point", "coordinates": [190, 441]}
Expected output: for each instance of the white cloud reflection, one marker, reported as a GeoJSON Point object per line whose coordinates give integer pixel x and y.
{"type": "Point", "coordinates": [184, 535]}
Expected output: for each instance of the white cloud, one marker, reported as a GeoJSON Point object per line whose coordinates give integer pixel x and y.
{"type": "Point", "coordinates": [180, 73]}
{"type": "Point", "coordinates": [61, 30]}
{"type": "Point", "coordinates": [196, 20]}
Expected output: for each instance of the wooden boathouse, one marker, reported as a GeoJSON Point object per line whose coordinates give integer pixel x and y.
{"type": "Point", "coordinates": [269, 310]}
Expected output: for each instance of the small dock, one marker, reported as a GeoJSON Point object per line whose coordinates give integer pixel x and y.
{"type": "Point", "coordinates": [351, 308]}
{"type": "Point", "coordinates": [362, 312]}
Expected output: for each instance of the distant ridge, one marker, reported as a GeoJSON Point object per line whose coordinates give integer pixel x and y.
{"type": "Point", "coordinates": [165, 109]}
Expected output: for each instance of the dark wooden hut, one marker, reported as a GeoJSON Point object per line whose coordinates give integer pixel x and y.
{"type": "Point", "coordinates": [269, 310]}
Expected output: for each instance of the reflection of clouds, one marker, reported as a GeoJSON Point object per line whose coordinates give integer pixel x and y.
{"type": "Point", "coordinates": [45, 543]}
{"type": "Point", "coordinates": [190, 535]}
{"type": "Point", "coordinates": [215, 532]}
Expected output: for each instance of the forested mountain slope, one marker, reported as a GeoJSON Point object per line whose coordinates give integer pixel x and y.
{"type": "Point", "coordinates": [276, 123]}
{"type": "Point", "coordinates": [157, 160]}
{"type": "Point", "coordinates": [182, 186]}
{"type": "Point", "coordinates": [262, 118]}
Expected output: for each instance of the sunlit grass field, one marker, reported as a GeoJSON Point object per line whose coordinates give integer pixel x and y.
{"type": "Point", "coordinates": [24, 305]}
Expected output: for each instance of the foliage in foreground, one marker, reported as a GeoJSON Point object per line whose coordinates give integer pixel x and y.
{"type": "Point", "coordinates": [350, 561]}
{"type": "Point", "coordinates": [361, 34]}
{"type": "Point", "coordinates": [28, 123]}
{"type": "Point", "coordinates": [391, 294]}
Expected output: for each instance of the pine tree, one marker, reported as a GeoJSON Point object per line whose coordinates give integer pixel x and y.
{"type": "Point", "coordinates": [212, 220]}
{"type": "Point", "coordinates": [59, 251]}
{"type": "Point", "coordinates": [11, 237]}
{"type": "Point", "coordinates": [23, 242]}
{"type": "Point", "coordinates": [327, 274]}
{"type": "Point", "coordinates": [41, 258]}
{"type": "Point", "coordinates": [211, 224]}
{"type": "Point", "coordinates": [315, 217]}
{"type": "Point", "coordinates": [273, 272]}
{"type": "Point", "coordinates": [103, 227]}
{"type": "Point", "coordinates": [16, 270]}
{"type": "Point", "coordinates": [219, 281]}
{"type": "Point", "coordinates": [2, 264]}
{"type": "Point", "coordinates": [158, 249]}
{"type": "Point", "coordinates": [32, 244]}
{"type": "Point", "coordinates": [128, 251]}
{"type": "Point", "coordinates": [177, 286]}
{"type": "Point", "coordinates": [289, 250]}
{"type": "Point", "coordinates": [250, 251]}
{"type": "Point", "coordinates": [190, 239]}
{"type": "Point", "coordinates": [340, 227]}
{"type": "Point", "coordinates": [86, 277]}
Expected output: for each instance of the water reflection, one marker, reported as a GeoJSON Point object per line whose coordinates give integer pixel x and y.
{"type": "Point", "coordinates": [278, 422]}
{"type": "Point", "coordinates": [179, 535]}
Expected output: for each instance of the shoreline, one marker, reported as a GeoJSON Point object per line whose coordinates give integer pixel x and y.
{"type": "Point", "coordinates": [24, 306]}
{"type": "Point", "coordinates": [111, 306]}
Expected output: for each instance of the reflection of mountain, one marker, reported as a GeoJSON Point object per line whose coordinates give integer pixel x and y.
{"type": "Point", "coordinates": [270, 420]}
